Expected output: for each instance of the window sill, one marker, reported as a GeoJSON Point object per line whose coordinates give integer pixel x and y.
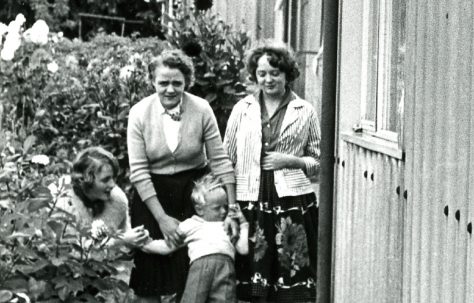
{"type": "Point", "coordinates": [374, 144]}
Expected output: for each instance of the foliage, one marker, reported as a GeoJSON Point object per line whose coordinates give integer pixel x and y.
{"type": "Point", "coordinates": [84, 102]}
{"type": "Point", "coordinates": [59, 96]}
{"type": "Point", "coordinates": [45, 255]}
{"type": "Point", "coordinates": [62, 15]}
{"type": "Point", "coordinates": [218, 53]}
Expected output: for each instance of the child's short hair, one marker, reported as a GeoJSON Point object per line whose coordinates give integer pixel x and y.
{"type": "Point", "coordinates": [204, 185]}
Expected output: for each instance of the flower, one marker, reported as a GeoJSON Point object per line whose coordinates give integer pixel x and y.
{"type": "Point", "coordinates": [40, 159]}
{"type": "Point", "coordinates": [20, 19]}
{"type": "Point", "coordinates": [293, 250]}
{"type": "Point", "coordinates": [126, 72]}
{"type": "Point", "coordinates": [3, 30]}
{"type": "Point", "coordinates": [53, 67]}
{"type": "Point", "coordinates": [261, 244]}
{"type": "Point", "coordinates": [98, 229]}
{"type": "Point", "coordinates": [71, 61]}
{"type": "Point", "coordinates": [39, 32]}
{"type": "Point", "coordinates": [12, 43]}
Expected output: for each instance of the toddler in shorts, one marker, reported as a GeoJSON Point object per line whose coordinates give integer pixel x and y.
{"type": "Point", "coordinates": [211, 276]}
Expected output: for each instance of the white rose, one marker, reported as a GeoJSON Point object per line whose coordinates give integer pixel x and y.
{"type": "Point", "coordinates": [39, 32]}
{"type": "Point", "coordinates": [40, 159]}
{"type": "Point", "coordinates": [52, 67]}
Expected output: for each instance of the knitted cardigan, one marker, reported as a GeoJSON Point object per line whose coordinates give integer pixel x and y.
{"type": "Point", "coordinates": [115, 213]}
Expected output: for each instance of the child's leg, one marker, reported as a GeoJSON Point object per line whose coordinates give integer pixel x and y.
{"type": "Point", "coordinates": [223, 287]}
{"type": "Point", "coordinates": [198, 282]}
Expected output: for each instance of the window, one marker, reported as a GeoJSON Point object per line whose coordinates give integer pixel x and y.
{"type": "Point", "coordinates": [383, 60]}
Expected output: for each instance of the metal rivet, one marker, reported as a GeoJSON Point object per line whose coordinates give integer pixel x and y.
{"type": "Point", "coordinates": [447, 15]}
{"type": "Point", "coordinates": [469, 228]}
{"type": "Point", "coordinates": [457, 215]}
{"type": "Point", "coordinates": [372, 176]}
{"type": "Point", "coordinates": [398, 190]}
{"type": "Point", "coordinates": [446, 210]}
{"type": "Point", "coordinates": [405, 194]}
{"type": "Point", "coordinates": [365, 174]}
{"type": "Point", "coordinates": [343, 163]}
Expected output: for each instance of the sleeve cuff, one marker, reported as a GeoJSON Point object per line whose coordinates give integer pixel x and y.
{"type": "Point", "coordinates": [310, 165]}
{"type": "Point", "coordinates": [145, 189]}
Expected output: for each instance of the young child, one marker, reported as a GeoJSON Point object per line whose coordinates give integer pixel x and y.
{"type": "Point", "coordinates": [211, 274]}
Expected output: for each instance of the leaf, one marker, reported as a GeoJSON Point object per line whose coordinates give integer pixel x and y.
{"type": "Point", "coordinates": [56, 226]}
{"type": "Point", "coordinates": [28, 143]}
{"type": "Point", "coordinates": [36, 288]}
{"type": "Point", "coordinates": [5, 296]}
{"type": "Point", "coordinates": [35, 204]}
{"type": "Point", "coordinates": [211, 97]}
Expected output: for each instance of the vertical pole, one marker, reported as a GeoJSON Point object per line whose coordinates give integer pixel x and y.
{"type": "Point", "coordinates": [328, 126]}
{"type": "Point", "coordinates": [80, 27]}
{"type": "Point", "coordinates": [123, 28]}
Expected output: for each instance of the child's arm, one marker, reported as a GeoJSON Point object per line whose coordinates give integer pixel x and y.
{"type": "Point", "coordinates": [159, 247]}
{"type": "Point", "coordinates": [162, 247]}
{"type": "Point", "coordinates": [242, 244]}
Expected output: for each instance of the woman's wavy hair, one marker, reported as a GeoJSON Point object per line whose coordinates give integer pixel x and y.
{"type": "Point", "coordinates": [87, 164]}
{"type": "Point", "coordinates": [280, 55]}
{"type": "Point", "coordinates": [177, 59]}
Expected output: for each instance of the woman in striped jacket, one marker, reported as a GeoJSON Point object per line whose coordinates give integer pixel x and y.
{"type": "Point", "coordinates": [272, 138]}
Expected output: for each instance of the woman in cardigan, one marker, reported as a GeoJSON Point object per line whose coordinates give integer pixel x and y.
{"type": "Point", "coordinates": [95, 196]}
{"type": "Point", "coordinates": [272, 138]}
{"type": "Point", "coordinates": [171, 136]}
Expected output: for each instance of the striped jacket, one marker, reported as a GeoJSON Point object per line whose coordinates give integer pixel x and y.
{"type": "Point", "coordinates": [299, 136]}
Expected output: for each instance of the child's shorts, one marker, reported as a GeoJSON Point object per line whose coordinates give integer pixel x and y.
{"type": "Point", "coordinates": [211, 279]}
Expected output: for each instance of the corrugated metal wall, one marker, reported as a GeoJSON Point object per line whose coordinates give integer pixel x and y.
{"type": "Point", "coordinates": [369, 226]}
{"type": "Point", "coordinates": [438, 259]}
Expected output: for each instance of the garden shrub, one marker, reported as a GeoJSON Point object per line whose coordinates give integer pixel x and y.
{"type": "Point", "coordinates": [58, 96]}
{"type": "Point", "coordinates": [218, 53]}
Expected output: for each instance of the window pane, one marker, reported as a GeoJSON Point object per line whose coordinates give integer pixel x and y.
{"type": "Point", "coordinates": [371, 102]}
{"type": "Point", "coordinates": [394, 104]}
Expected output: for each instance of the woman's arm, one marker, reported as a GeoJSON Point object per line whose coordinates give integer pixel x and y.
{"type": "Point", "coordinates": [219, 161]}
{"type": "Point", "coordinates": [309, 162]}
{"type": "Point", "coordinates": [168, 225]}
{"type": "Point", "coordinates": [141, 178]}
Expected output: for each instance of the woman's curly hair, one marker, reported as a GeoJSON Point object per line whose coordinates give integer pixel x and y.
{"type": "Point", "coordinates": [280, 57]}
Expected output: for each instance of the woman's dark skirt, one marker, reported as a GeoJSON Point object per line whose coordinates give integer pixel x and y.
{"type": "Point", "coordinates": [154, 274]}
{"type": "Point", "coordinates": [281, 264]}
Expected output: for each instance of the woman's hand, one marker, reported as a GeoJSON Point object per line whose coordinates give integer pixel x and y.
{"type": "Point", "coordinates": [169, 228]}
{"type": "Point", "coordinates": [137, 236]}
{"type": "Point", "coordinates": [275, 161]}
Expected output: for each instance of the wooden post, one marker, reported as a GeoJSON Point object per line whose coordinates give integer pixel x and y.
{"type": "Point", "coordinates": [80, 27]}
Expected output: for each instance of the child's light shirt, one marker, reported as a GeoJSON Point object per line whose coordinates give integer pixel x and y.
{"type": "Point", "coordinates": [206, 238]}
